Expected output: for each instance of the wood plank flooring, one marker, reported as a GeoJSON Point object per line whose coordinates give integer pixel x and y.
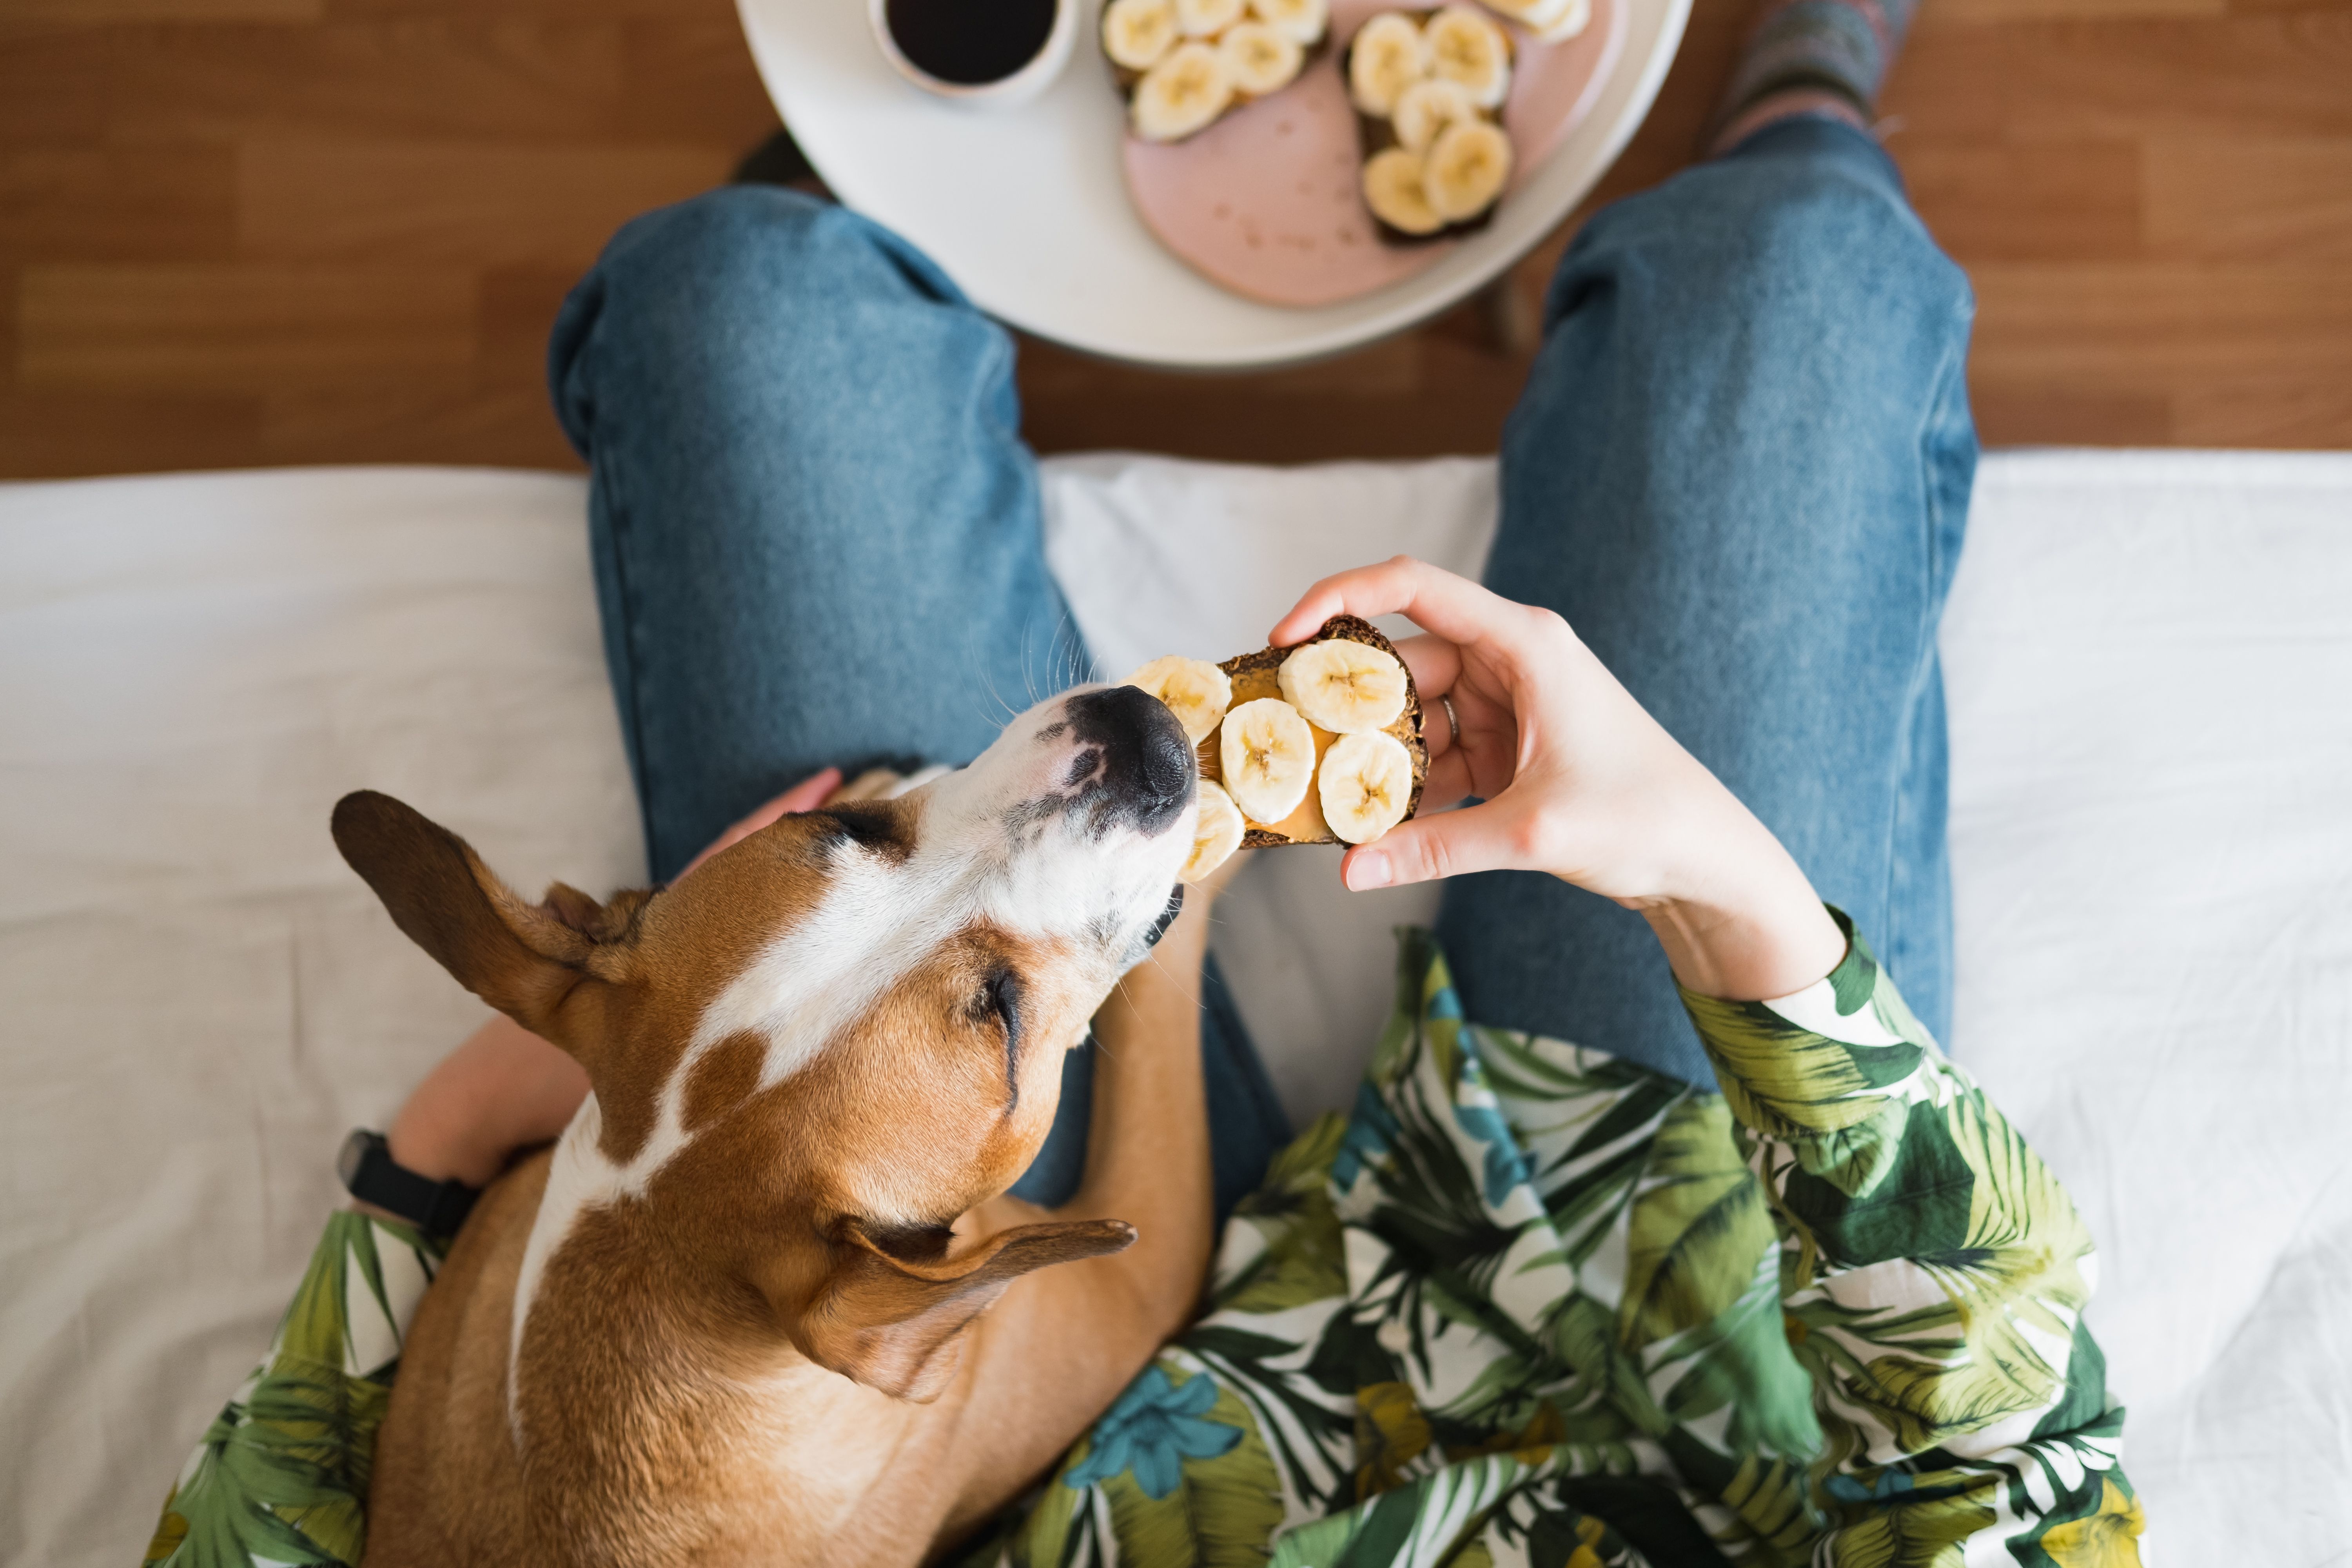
{"type": "Point", "coordinates": [242, 232]}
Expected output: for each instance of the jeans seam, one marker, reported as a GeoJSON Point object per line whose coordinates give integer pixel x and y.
{"type": "Point", "coordinates": [1923, 655]}
{"type": "Point", "coordinates": [625, 596]}
{"type": "Point", "coordinates": [1923, 641]}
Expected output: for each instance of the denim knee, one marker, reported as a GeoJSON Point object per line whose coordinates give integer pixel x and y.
{"type": "Point", "coordinates": [1859, 292]}
{"type": "Point", "coordinates": [1804, 237]}
{"type": "Point", "coordinates": [1826, 200]}
{"type": "Point", "coordinates": [718, 290]}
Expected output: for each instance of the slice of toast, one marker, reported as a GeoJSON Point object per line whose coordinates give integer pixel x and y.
{"type": "Point", "coordinates": [1253, 675]}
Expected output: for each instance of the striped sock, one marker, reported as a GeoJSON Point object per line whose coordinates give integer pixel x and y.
{"type": "Point", "coordinates": [1820, 57]}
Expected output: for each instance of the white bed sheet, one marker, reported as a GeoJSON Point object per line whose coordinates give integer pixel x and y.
{"type": "Point", "coordinates": [2150, 668]}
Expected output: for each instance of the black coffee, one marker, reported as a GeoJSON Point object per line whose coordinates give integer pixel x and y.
{"type": "Point", "coordinates": [970, 42]}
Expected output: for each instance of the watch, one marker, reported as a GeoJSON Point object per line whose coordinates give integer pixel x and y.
{"type": "Point", "coordinates": [371, 1174]}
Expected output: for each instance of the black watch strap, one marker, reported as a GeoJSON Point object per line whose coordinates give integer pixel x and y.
{"type": "Point", "coordinates": [371, 1175]}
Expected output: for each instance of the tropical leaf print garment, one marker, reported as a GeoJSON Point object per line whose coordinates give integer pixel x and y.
{"type": "Point", "coordinates": [282, 1475]}
{"type": "Point", "coordinates": [1529, 1305]}
{"type": "Point", "coordinates": [1526, 1304]}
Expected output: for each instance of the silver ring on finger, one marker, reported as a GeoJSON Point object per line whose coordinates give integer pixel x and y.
{"type": "Point", "coordinates": [1453, 721]}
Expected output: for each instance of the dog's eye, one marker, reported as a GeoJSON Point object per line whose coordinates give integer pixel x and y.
{"type": "Point", "coordinates": [1000, 995]}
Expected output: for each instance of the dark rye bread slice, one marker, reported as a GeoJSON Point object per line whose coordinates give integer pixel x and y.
{"type": "Point", "coordinates": [1253, 675]}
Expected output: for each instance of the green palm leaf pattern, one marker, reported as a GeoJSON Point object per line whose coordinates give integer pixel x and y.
{"type": "Point", "coordinates": [1281, 1249]}
{"type": "Point", "coordinates": [282, 1474]}
{"type": "Point", "coordinates": [2016, 1290]}
{"type": "Point", "coordinates": [1587, 1121]}
{"type": "Point", "coordinates": [1526, 1304]}
{"type": "Point", "coordinates": [1928, 1534]}
{"type": "Point", "coordinates": [1699, 1226]}
{"type": "Point", "coordinates": [1222, 1509]}
{"type": "Point", "coordinates": [1782, 1081]}
{"type": "Point", "coordinates": [1935, 1268]}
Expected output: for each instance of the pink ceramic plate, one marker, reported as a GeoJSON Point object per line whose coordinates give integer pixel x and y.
{"type": "Point", "coordinates": [1265, 201]}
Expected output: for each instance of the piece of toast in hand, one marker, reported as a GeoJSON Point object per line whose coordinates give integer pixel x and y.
{"type": "Point", "coordinates": [1253, 676]}
{"type": "Point", "coordinates": [1326, 736]}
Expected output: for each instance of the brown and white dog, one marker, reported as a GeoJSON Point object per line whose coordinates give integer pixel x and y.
{"type": "Point", "coordinates": [735, 1314]}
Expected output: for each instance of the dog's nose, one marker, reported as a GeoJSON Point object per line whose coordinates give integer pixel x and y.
{"type": "Point", "coordinates": [1148, 766]}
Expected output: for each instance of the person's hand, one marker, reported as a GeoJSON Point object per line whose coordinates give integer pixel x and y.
{"type": "Point", "coordinates": [818, 789]}
{"type": "Point", "coordinates": [1577, 780]}
{"type": "Point", "coordinates": [505, 1088]}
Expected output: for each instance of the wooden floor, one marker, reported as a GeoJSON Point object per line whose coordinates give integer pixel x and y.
{"type": "Point", "coordinates": [292, 231]}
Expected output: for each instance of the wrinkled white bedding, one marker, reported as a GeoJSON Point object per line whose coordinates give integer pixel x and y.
{"type": "Point", "coordinates": [2150, 668]}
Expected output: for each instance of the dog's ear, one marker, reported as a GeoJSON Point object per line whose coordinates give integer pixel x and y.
{"type": "Point", "coordinates": [529, 961]}
{"type": "Point", "coordinates": [893, 1321]}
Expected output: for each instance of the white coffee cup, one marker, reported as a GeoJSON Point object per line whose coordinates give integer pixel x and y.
{"type": "Point", "coordinates": [1005, 92]}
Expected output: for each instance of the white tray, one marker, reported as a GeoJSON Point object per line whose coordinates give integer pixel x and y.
{"type": "Point", "coordinates": [1027, 211]}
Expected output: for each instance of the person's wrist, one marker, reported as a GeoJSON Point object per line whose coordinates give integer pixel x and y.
{"type": "Point", "coordinates": [383, 1187]}
{"type": "Point", "coordinates": [1747, 954]}
{"type": "Point", "coordinates": [443, 1153]}
{"type": "Point", "coordinates": [1742, 922]}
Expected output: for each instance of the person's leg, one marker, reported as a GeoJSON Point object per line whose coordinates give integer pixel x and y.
{"type": "Point", "coordinates": [816, 538]}
{"type": "Point", "coordinates": [815, 529]}
{"type": "Point", "coordinates": [1740, 471]}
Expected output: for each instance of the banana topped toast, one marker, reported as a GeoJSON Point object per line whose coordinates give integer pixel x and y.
{"type": "Point", "coordinates": [1185, 64]}
{"type": "Point", "coordinates": [1428, 86]}
{"type": "Point", "coordinates": [1319, 743]}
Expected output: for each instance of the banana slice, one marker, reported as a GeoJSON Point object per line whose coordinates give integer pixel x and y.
{"type": "Point", "coordinates": [1392, 189]}
{"type": "Point", "coordinates": [1387, 56]}
{"type": "Point", "coordinates": [1195, 690]}
{"type": "Point", "coordinates": [1550, 20]}
{"type": "Point", "coordinates": [1206, 19]}
{"type": "Point", "coordinates": [1302, 21]}
{"type": "Point", "coordinates": [1572, 19]}
{"type": "Point", "coordinates": [1365, 784]}
{"type": "Point", "coordinates": [1259, 59]}
{"type": "Point", "coordinates": [1345, 687]}
{"type": "Point", "coordinates": [1183, 94]}
{"type": "Point", "coordinates": [1426, 108]}
{"type": "Point", "coordinates": [1216, 833]}
{"type": "Point", "coordinates": [1470, 51]}
{"type": "Point", "coordinates": [1136, 33]}
{"type": "Point", "coordinates": [1466, 170]}
{"type": "Point", "coordinates": [1268, 753]}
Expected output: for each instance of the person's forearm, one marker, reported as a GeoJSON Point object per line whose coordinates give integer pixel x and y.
{"type": "Point", "coordinates": [1148, 1149]}
{"type": "Point", "coordinates": [1744, 923]}
{"type": "Point", "coordinates": [503, 1089]}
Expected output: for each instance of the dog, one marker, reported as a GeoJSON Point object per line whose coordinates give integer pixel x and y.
{"type": "Point", "coordinates": [735, 1314]}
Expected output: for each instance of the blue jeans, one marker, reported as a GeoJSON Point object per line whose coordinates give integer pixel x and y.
{"type": "Point", "coordinates": [1740, 470]}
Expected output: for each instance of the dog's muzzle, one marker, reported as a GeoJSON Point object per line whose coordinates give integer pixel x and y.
{"type": "Point", "coordinates": [1138, 769]}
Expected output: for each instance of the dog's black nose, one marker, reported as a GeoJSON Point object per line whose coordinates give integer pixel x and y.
{"type": "Point", "coordinates": [1147, 764]}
